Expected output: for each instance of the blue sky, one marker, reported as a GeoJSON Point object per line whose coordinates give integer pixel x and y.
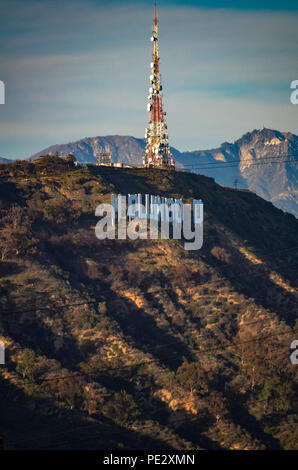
{"type": "Point", "coordinates": [81, 68]}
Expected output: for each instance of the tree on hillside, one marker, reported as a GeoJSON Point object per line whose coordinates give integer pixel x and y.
{"type": "Point", "coordinates": [217, 404]}
{"type": "Point", "coordinates": [92, 400]}
{"type": "Point", "coordinates": [16, 234]}
{"type": "Point", "coordinates": [276, 395]}
{"type": "Point", "coordinates": [26, 364]}
{"type": "Point", "coordinates": [122, 407]}
{"type": "Point", "coordinates": [67, 388]}
{"type": "Point", "coordinates": [192, 377]}
{"type": "Point", "coordinates": [27, 367]}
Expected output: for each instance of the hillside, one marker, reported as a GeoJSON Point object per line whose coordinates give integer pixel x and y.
{"type": "Point", "coordinates": [251, 160]}
{"type": "Point", "coordinates": [121, 344]}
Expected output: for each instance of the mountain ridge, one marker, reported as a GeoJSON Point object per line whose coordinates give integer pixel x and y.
{"type": "Point", "coordinates": [258, 161]}
{"type": "Point", "coordinates": [245, 160]}
{"type": "Point", "coordinates": [5, 160]}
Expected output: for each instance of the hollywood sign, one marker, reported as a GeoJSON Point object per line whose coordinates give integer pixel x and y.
{"type": "Point", "coordinates": [138, 216]}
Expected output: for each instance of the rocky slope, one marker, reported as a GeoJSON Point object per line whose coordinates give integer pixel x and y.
{"type": "Point", "coordinates": [120, 344]}
{"type": "Point", "coordinates": [265, 161]}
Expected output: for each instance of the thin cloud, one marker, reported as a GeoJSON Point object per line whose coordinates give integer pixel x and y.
{"type": "Point", "coordinates": [224, 71]}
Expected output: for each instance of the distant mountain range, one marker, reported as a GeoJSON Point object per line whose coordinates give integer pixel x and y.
{"type": "Point", "coordinates": [125, 149]}
{"type": "Point", "coordinates": [262, 161]}
{"type": "Point", "coordinates": [4, 160]}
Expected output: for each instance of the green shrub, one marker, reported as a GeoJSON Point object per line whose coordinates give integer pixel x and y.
{"type": "Point", "coordinates": [121, 408]}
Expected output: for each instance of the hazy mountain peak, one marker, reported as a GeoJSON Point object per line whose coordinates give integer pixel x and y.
{"type": "Point", "coordinates": [263, 161]}
{"type": "Point", "coordinates": [4, 160]}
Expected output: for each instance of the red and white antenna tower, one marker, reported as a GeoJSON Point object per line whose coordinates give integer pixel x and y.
{"type": "Point", "coordinates": [158, 154]}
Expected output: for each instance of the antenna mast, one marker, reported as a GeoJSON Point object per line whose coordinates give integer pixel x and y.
{"type": "Point", "coordinates": [157, 153]}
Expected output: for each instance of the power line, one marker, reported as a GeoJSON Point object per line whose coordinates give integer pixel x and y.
{"type": "Point", "coordinates": [45, 435]}
{"type": "Point", "coordinates": [178, 420]}
{"type": "Point", "coordinates": [109, 291]}
{"type": "Point", "coordinates": [165, 345]}
{"type": "Point", "coordinates": [204, 351]}
{"type": "Point", "coordinates": [177, 341]}
{"type": "Point", "coordinates": [146, 362]}
{"type": "Point", "coordinates": [226, 164]}
{"type": "Point", "coordinates": [243, 160]}
{"type": "Point", "coordinates": [149, 426]}
{"type": "Point", "coordinates": [223, 166]}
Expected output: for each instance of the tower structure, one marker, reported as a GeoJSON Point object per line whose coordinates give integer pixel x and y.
{"type": "Point", "coordinates": [157, 153]}
{"type": "Point", "coordinates": [104, 156]}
